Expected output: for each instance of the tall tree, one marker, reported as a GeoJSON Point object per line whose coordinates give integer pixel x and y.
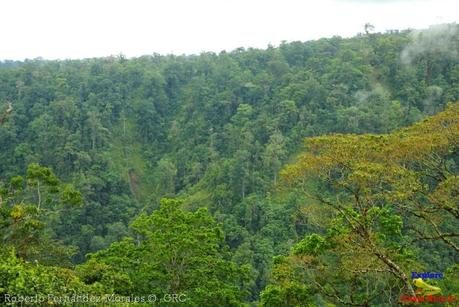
{"type": "Point", "coordinates": [386, 192]}
{"type": "Point", "coordinates": [173, 252]}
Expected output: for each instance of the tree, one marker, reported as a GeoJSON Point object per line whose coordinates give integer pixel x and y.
{"type": "Point", "coordinates": [368, 28]}
{"type": "Point", "coordinates": [173, 252]}
{"type": "Point", "coordinates": [274, 154]}
{"type": "Point", "coordinates": [98, 132]}
{"type": "Point", "coordinates": [41, 284]}
{"type": "Point", "coordinates": [383, 190]}
{"type": "Point", "coordinates": [6, 113]}
{"type": "Point", "coordinates": [166, 177]}
{"type": "Point", "coordinates": [28, 211]}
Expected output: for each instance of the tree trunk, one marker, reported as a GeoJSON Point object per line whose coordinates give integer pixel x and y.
{"type": "Point", "coordinates": [395, 269]}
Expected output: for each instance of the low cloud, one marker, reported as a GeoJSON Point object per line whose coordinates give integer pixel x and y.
{"type": "Point", "coordinates": [442, 39]}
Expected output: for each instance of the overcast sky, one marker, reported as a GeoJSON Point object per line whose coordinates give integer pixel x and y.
{"type": "Point", "coordinates": [60, 29]}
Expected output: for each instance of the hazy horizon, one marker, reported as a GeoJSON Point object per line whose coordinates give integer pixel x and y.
{"type": "Point", "coordinates": [76, 30]}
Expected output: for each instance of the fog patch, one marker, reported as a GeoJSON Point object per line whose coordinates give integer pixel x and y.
{"type": "Point", "coordinates": [443, 39]}
{"type": "Point", "coordinates": [378, 93]}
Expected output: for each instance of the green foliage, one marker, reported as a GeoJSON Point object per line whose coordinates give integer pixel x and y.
{"type": "Point", "coordinates": [383, 193]}
{"type": "Point", "coordinates": [29, 209]}
{"type": "Point", "coordinates": [312, 244]}
{"type": "Point", "coordinates": [215, 130]}
{"type": "Point", "coordinates": [173, 251]}
{"type": "Point", "coordinates": [23, 279]}
{"type": "Point", "coordinates": [292, 294]}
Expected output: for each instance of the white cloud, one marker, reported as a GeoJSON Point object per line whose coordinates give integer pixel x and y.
{"type": "Point", "coordinates": [75, 29]}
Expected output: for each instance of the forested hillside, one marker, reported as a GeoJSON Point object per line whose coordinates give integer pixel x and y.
{"type": "Point", "coordinates": [188, 174]}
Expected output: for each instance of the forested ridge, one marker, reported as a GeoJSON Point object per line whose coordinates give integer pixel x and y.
{"type": "Point", "coordinates": [316, 173]}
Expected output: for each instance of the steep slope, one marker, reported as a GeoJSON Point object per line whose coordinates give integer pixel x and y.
{"type": "Point", "coordinates": [213, 129]}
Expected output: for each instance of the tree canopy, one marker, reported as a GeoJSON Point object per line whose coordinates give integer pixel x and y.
{"type": "Point", "coordinates": [188, 174]}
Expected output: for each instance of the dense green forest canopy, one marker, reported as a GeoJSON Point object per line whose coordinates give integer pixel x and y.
{"type": "Point", "coordinates": [99, 154]}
